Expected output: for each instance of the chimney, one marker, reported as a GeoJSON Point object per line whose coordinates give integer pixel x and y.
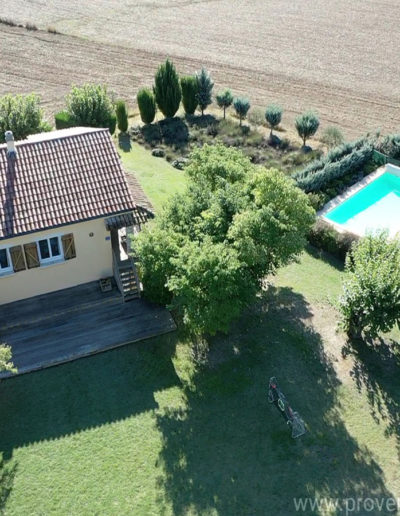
{"type": "Point", "coordinates": [11, 150]}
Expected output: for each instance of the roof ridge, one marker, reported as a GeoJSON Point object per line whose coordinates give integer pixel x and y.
{"type": "Point", "coordinates": [33, 139]}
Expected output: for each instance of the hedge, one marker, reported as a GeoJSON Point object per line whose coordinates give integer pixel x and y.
{"type": "Point", "coordinates": [390, 146]}
{"type": "Point", "coordinates": [64, 120]}
{"type": "Point", "coordinates": [314, 182]}
{"type": "Point", "coordinates": [332, 156]}
{"type": "Point", "coordinates": [325, 237]}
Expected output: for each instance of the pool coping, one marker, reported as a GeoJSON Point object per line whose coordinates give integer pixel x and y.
{"type": "Point", "coordinates": [352, 190]}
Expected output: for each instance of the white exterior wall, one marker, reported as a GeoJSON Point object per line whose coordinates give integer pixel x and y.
{"type": "Point", "coordinates": [93, 261]}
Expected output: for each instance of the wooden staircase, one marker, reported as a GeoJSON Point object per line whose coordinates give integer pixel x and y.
{"type": "Point", "coordinates": [127, 279]}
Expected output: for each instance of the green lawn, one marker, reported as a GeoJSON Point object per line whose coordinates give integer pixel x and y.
{"type": "Point", "coordinates": [158, 178]}
{"type": "Point", "coordinates": [140, 431]}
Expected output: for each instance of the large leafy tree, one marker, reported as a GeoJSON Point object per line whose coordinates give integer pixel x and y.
{"type": "Point", "coordinates": [370, 300]}
{"type": "Point", "coordinates": [208, 252]}
{"type": "Point", "coordinates": [20, 114]}
{"type": "Point", "coordinates": [91, 105]}
{"type": "Point", "coordinates": [167, 89]}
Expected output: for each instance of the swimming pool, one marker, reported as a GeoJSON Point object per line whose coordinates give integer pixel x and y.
{"type": "Point", "coordinates": [372, 207]}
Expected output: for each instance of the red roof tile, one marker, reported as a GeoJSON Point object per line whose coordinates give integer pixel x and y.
{"type": "Point", "coordinates": [60, 178]}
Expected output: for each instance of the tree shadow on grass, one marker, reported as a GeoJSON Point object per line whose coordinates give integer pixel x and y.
{"type": "Point", "coordinates": [326, 257]}
{"type": "Point", "coordinates": [229, 451]}
{"type": "Point", "coordinates": [124, 142]}
{"type": "Point", "coordinates": [376, 370]}
{"type": "Point", "coordinates": [7, 474]}
{"type": "Point", "coordinates": [201, 121]}
{"type": "Point", "coordinates": [174, 132]}
{"type": "Point", "coordinates": [86, 393]}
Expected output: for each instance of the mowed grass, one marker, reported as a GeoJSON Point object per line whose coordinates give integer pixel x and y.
{"type": "Point", "coordinates": [157, 177]}
{"type": "Point", "coordinates": [140, 430]}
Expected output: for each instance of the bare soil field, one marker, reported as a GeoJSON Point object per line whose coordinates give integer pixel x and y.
{"type": "Point", "coordinates": [339, 58]}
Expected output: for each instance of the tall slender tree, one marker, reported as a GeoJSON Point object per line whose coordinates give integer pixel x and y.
{"type": "Point", "coordinates": [189, 93]}
{"type": "Point", "coordinates": [167, 89]}
{"type": "Point", "coordinates": [204, 89]}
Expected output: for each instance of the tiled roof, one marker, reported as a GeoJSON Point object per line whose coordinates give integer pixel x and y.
{"type": "Point", "coordinates": [60, 178]}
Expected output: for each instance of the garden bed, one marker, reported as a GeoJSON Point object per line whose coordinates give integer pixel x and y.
{"type": "Point", "coordinates": [174, 139]}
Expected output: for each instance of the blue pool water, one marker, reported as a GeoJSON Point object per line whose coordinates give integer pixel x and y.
{"type": "Point", "coordinates": [376, 206]}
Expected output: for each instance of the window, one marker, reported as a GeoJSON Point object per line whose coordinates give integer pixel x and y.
{"type": "Point", "coordinates": [5, 261]}
{"type": "Point", "coordinates": [50, 249]}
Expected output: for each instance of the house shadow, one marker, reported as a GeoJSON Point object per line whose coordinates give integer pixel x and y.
{"type": "Point", "coordinates": [376, 371]}
{"type": "Point", "coordinates": [86, 393]}
{"type": "Point", "coordinates": [229, 451]}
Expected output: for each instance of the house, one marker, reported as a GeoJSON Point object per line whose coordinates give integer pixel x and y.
{"type": "Point", "coordinates": [65, 203]}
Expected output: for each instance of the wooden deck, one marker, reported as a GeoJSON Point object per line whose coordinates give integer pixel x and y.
{"type": "Point", "coordinates": [68, 324]}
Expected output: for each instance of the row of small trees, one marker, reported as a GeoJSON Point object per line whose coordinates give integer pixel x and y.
{"type": "Point", "coordinates": [195, 91]}
{"type": "Point", "coordinates": [169, 90]}
{"type": "Point", "coordinates": [91, 105]}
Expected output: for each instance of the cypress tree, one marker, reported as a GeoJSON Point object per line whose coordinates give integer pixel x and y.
{"type": "Point", "coordinates": [204, 89]}
{"type": "Point", "coordinates": [122, 116]}
{"type": "Point", "coordinates": [167, 89]}
{"type": "Point", "coordinates": [189, 92]}
{"type": "Point", "coordinates": [147, 105]}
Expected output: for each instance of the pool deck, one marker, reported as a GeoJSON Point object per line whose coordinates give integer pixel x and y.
{"type": "Point", "coordinates": [339, 199]}
{"type": "Point", "coordinates": [53, 328]}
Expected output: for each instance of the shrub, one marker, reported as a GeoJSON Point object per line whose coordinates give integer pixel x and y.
{"type": "Point", "coordinates": [371, 289]}
{"type": "Point", "coordinates": [8, 21]}
{"type": "Point", "coordinates": [317, 200]}
{"type": "Point", "coordinates": [390, 146]}
{"type": "Point", "coordinates": [20, 114]}
{"type": "Point", "coordinates": [91, 105]}
{"type": "Point", "coordinates": [207, 253]}
{"type": "Point", "coordinates": [30, 26]}
{"type": "Point", "coordinates": [204, 89]}
{"type": "Point", "coordinates": [332, 136]}
{"type": "Point", "coordinates": [224, 99]}
{"type": "Point", "coordinates": [273, 116]}
{"type": "Point", "coordinates": [325, 237]}
{"type": "Point", "coordinates": [256, 116]}
{"type": "Point", "coordinates": [189, 94]}
{"type": "Point", "coordinates": [147, 105]}
{"type": "Point", "coordinates": [241, 105]}
{"type": "Point", "coordinates": [121, 112]}
{"type": "Point", "coordinates": [332, 156]}
{"type": "Point", "coordinates": [350, 163]}
{"type": "Point", "coordinates": [63, 120]}
{"type": "Point", "coordinates": [306, 125]}
{"type": "Point", "coordinates": [167, 89]}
